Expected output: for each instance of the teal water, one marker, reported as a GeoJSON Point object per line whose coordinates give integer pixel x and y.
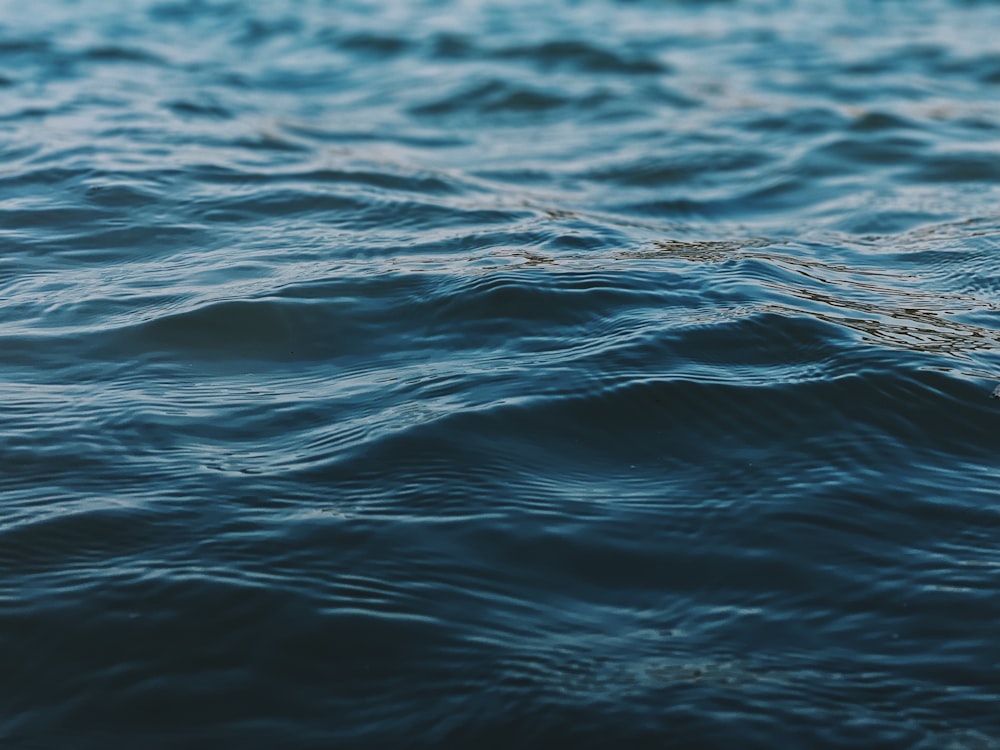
{"type": "Point", "coordinates": [500, 374]}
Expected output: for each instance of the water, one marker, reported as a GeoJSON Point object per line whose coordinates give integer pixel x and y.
{"type": "Point", "coordinates": [499, 374]}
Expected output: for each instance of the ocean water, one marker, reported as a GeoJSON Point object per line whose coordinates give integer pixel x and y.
{"type": "Point", "coordinates": [493, 373]}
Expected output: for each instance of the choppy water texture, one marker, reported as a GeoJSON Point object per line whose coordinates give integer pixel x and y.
{"type": "Point", "coordinates": [500, 374]}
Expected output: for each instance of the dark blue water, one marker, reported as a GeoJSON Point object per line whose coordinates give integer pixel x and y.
{"type": "Point", "coordinates": [492, 373]}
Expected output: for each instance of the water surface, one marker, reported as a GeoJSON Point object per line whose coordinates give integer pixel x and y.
{"type": "Point", "coordinates": [499, 374]}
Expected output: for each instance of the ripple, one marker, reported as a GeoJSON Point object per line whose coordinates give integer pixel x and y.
{"type": "Point", "coordinates": [581, 56]}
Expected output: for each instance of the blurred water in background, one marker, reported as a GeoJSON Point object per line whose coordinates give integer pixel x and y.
{"type": "Point", "coordinates": [499, 374]}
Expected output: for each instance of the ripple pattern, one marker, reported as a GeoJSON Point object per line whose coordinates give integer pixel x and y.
{"type": "Point", "coordinates": [483, 373]}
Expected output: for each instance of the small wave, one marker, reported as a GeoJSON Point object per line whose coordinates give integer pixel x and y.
{"type": "Point", "coordinates": [582, 56]}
